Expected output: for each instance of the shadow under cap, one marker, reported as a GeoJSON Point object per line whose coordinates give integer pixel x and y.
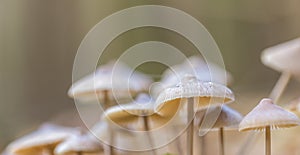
{"type": "Point", "coordinates": [204, 93]}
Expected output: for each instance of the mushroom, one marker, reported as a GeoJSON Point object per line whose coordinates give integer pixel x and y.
{"type": "Point", "coordinates": [79, 144]}
{"type": "Point", "coordinates": [294, 106]}
{"type": "Point", "coordinates": [197, 66]}
{"type": "Point", "coordinates": [285, 59]}
{"type": "Point", "coordinates": [267, 116]}
{"type": "Point", "coordinates": [42, 141]}
{"type": "Point", "coordinates": [141, 108]}
{"type": "Point", "coordinates": [110, 82]}
{"type": "Point", "coordinates": [228, 119]}
{"type": "Point", "coordinates": [195, 94]}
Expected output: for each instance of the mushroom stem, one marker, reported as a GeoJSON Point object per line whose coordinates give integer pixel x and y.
{"type": "Point", "coordinates": [203, 144]}
{"type": "Point", "coordinates": [190, 132]}
{"type": "Point", "coordinates": [146, 126]}
{"type": "Point", "coordinates": [268, 141]}
{"type": "Point", "coordinates": [105, 99]}
{"type": "Point", "coordinates": [222, 151]}
{"type": "Point", "coordinates": [280, 86]}
{"type": "Point", "coordinates": [111, 138]}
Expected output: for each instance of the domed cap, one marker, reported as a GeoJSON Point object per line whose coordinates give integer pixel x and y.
{"type": "Point", "coordinates": [40, 139]}
{"type": "Point", "coordinates": [79, 143]}
{"type": "Point", "coordinates": [113, 76]}
{"type": "Point", "coordinates": [283, 57]}
{"type": "Point", "coordinates": [267, 114]}
{"type": "Point", "coordinates": [128, 114]}
{"type": "Point", "coordinates": [204, 94]}
{"type": "Point", "coordinates": [197, 66]}
{"type": "Point", "coordinates": [228, 118]}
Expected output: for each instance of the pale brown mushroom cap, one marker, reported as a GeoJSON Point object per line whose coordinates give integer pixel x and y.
{"type": "Point", "coordinates": [204, 93]}
{"type": "Point", "coordinates": [283, 57]}
{"type": "Point", "coordinates": [228, 118]}
{"type": "Point", "coordinates": [79, 143]}
{"type": "Point", "coordinates": [129, 114]}
{"type": "Point", "coordinates": [267, 114]}
{"type": "Point", "coordinates": [116, 77]}
{"type": "Point", "coordinates": [38, 140]}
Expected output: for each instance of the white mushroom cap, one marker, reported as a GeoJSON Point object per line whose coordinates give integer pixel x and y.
{"type": "Point", "coordinates": [283, 57]}
{"type": "Point", "coordinates": [39, 140]}
{"type": "Point", "coordinates": [196, 66]}
{"type": "Point", "coordinates": [113, 76]}
{"type": "Point", "coordinates": [130, 114]}
{"type": "Point", "coordinates": [267, 114]}
{"type": "Point", "coordinates": [79, 143]}
{"type": "Point", "coordinates": [228, 118]}
{"type": "Point", "coordinates": [204, 94]}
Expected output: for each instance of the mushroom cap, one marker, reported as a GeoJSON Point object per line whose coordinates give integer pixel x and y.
{"type": "Point", "coordinates": [196, 65]}
{"type": "Point", "coordinates": [42, 138]}
{"type": "Point", "coordinates": [294, 106]}
{"type": "Point", "coordinates": [267, 114]}
{"type": "Point", "coordinates": [228, 118]}
{"type": "Point", "coordinates": [204, 93]}
{"type": "Point", "coordinates": [115, 77]}
{"type": "Point", "coordinates": [79, 143]}
{"type": "Point", "coordinates": [283, 57]}
{"type": "Point", "coordinates": [129, 114]}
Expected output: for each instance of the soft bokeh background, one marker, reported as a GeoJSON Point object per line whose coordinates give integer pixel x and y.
{"type": "Point", "coordinates": [39, 40]}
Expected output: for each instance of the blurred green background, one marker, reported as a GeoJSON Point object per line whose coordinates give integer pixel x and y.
{"type": "Point", "coordinates": [39, 40]}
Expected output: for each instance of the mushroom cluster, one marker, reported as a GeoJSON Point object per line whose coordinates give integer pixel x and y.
{"type": "Point", "coordinates": [193, 99]}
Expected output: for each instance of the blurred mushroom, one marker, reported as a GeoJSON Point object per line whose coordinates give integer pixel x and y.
{"type": "Point", "coordinates": [285, 59]}
{"type": "Point", "coordinates": [113, 81]}
{"type": "Point", "coordinates": [141, 108]}
{"type": "Point", "coordinates": [196, 95]}
{"type": "Point", "coordinates": [42, 141]}
{"type": "Point", "coordinates": [267, 116]}
{"type": "Point", "coordinates": [79, 144]}
{"type": "Point", "coordinates": [197, 66]}
{"type": "Point", "coordinates": [228, 119]}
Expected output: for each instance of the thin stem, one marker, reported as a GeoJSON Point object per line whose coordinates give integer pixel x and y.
{"type": "Point", "coordinates": [203, 144]}
{"type": "Point", "coordinates": [280, 87]}
{"type": "Point", "coordinates": [268, 141]}
{"type": "Point", "coordinates": [222, 151]}
{"type": "Point", "coordinates": [105, 99]}
{"type": "Point", "coordinates": [146, 126]}
{"type": "Point", "coordinates": [110, 146]}
{"type": "Point", "coordinates": [190, 132]}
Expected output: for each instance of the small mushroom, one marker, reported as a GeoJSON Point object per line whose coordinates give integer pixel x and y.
{"type": "Point", "coordinates": [267, 116]}
{"type": "Point", "coordinates": [285, 59]}
{"type": "Point", "coordinates": [110, 82]}
{"type": "Point", "coordinates": [141, 108]}
{"type": "Point", "coordinates": [194, 93]}
{"type": "Point", "coordinates": [79, 144]}
{"type": "Point", "coordinates": [228, 119]}
{"type": "Point", "coordinates": [43, 141]}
